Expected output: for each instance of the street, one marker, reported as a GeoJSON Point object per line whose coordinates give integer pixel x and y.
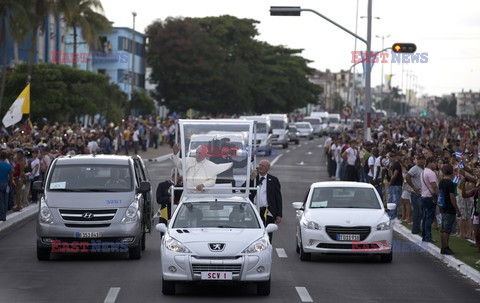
{"type": "Point", "coordinates": [92, 277]}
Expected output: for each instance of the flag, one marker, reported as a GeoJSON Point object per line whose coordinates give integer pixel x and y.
{"type": "Point", "coordinates": [458, 155]}
{"type": "Point", "coordinates": [19, 107]}
{"type": "Point", "coordinates": [389, 82]}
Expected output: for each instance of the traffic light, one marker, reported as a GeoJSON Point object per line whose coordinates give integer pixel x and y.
{"type": "Point", "coordinates": [404, 47]}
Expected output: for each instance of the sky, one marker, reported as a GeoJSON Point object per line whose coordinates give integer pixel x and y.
{"type": "Point", "coordinates": [448, 31]}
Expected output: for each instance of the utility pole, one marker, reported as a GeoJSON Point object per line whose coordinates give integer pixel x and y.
{"type": "Point", "coordinates": [132, 76]}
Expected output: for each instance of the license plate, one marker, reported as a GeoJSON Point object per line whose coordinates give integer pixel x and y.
{"type": "Point", "coordinates": [343, 237]}
{"type": "Point", "coordinates": [88, 234]}
{"type": "Point", "coordinates": [213, 275]}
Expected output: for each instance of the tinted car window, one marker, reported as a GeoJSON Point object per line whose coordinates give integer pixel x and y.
{"type": "Point", "coordinates": [344, 197]}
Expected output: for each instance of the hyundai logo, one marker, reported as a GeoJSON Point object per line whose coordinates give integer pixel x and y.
{"type": "Point", "coordinates": [216, 246]}
{"type": "Point", "coordinates": [87, 215]}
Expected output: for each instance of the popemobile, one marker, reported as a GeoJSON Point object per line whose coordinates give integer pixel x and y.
{"type": "Point", "coordinates": [215, 233]}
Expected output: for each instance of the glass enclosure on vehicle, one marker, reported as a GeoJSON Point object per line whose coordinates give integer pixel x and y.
{"type": "Point", "coordinates": [344, 197]}
{"type": "Point", "coordinates": [218, 155]}
{"type": "Point", "coordinates": [216, 214]}
{"type": "Point", "coordinates": [93, 177]}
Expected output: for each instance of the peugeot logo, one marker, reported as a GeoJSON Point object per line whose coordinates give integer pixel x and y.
{"type": "Point", "coordinates": [87, 215]}
{"type": "Point", "coordinates": [216, 246]}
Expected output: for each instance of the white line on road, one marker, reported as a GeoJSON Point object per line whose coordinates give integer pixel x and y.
{"type": "Point", "coordinates": [112, 295]}
{"type": "Point", "coordinates": [288, 150]}
{"type": "Point", "coordinates": [276, 159]}
{"type": "Point", "coordinates": [303, 293]}
{"type": "Point", "coordinates": [281, 253]}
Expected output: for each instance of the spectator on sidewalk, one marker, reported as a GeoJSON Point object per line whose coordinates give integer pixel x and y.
{"type": "Point", "coordinates": [450, 211]}
{"type": "Point", "coordinates": [429, 189]}
{"type": "Point", "coordinates": [413, 179]}
{"type": "Point", "coordinates": [5, 177]}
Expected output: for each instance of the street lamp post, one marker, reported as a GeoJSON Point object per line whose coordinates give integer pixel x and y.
{"type": "Point", "coordinates": [381, 87]}
{"type": "Point", "coordinates": [132, 76]}
{"type": "Point", "coordinates": [296, 11]}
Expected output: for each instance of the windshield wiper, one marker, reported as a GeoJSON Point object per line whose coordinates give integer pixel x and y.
{"type": "Point", "coordinates": [228, 226]}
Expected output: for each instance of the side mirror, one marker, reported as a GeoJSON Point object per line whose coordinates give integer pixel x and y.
{"type": "Point", "coordinates": [391, 206]}
{"type": "Point", "coordinates": [145, 186]}
{"type": "Point", "coordinates": [161, 227]}
{"type": "Point", "coordinates": [271, 228]}
{"type": "Point", "coordinates": [298, 205]}
{"type": "Point", "coordinates": [38, 186]}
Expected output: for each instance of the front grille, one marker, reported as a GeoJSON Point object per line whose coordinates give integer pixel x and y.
{"type": "Point", "coordinates": [363, 231]}
{"type": "Point", "coordinates": [88, 215]}
{"type": "Point", "coordinates": [70, 240]}
{"type": "Point", "coordinates": [235, 269]}
{"type": "Point", "coordinates": [87, 225]}
{"type": "Point", "coordinates": [352, 247]}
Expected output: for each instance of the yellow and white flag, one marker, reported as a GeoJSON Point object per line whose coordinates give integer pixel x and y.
{"type": "Point", "coordinates": [19, 107]}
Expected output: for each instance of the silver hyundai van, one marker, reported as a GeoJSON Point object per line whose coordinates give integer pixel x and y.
{"type": "Point", "coordinates": [94, 203]}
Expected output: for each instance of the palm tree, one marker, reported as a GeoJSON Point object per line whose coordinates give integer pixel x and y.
{"type": "Point", "coordinates": [83, 13]}
{"type": "Point", "coordinates": [12, 12]}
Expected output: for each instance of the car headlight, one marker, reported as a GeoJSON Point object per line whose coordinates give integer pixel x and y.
{"type": "Point", "coordinates": [132, 214]}
{"type": "Point", "coordinates": [174, 245]}
{"type": "Point", "coordinates": [384, 225]}
{"type": "Point", "coordinates": [45, 215]}
{"type": "Point", "coordinates": [310, 224]}
{"type": "Point", "coordinates": [257, 246]}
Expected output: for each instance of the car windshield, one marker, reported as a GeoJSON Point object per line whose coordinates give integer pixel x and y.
{"type": "Point", "coordinates": [277, 124]}
{"type": "Point", "coordinates": [333, 120]}
{"type": "Point", "coordinates": [91, 178]}
{"type": "Point", "coordinates": [261, 128]}
{"type": "Point", "coordinates": [313, 121]}
{"type": "Point", "coordinates": [292, 128]}
{"type": "Point", "coordinates": [344, 197]}
{"type": "Point", "coordinates": [216, 215]}
{"type": "Point", "coordinates": [303, 125]}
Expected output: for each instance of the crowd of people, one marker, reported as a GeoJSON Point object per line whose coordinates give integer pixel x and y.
{"type": "Point", "coordinates": [26, 152]}
{"type": "Point", "coordinates": [428, 167]}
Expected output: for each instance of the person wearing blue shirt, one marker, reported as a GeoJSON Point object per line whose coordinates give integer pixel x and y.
{"type": "Point", "coordinates": [5, 175]}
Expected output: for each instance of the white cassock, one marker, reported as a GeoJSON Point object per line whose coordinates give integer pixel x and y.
{"type": "Point", "coordinates": [204, 172]}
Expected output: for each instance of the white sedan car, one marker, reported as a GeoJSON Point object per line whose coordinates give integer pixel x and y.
{"type": "Point", "coordinates": [343, 218]}
{"type": "Point", "coordinates": [220, 239]}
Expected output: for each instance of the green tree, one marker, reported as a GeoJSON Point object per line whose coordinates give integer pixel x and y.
{"type": "Point", "coordinates": [141, 104]}
{"type": "Point", "coordinates": [82, 14]}
{"type": "Point", "coordinates": [61, 93]}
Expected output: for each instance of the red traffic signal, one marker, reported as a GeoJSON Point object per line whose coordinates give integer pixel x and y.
{"type": "Point", "coordinates": [404, 47]}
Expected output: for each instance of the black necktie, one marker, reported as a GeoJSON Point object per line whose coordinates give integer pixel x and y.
{"type": "Point", "coordinates": [261, 180]}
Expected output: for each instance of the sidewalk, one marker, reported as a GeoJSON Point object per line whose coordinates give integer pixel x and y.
{"type": "Point", "coordinates": [451, 261]}
{"type": "Point", "coordinates": [14, 218]}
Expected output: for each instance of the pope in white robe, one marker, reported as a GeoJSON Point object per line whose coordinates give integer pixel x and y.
{"type": "Point", "coordinates": [200, 172]}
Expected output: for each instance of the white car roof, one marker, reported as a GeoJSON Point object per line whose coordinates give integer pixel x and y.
{"type": "Point", "coordinates": [209, 198]}
{"type": "Point", "coordinates": [342, 184]}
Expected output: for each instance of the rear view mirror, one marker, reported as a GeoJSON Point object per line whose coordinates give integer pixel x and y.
{"type": "Point", "coordinates": [145, 186]}
{"type": "Point", "coordinates": [271, 228]}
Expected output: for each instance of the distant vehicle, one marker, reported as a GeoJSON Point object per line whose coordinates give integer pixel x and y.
{"type": "Point", "coordinates": [334, 124]}
{"type": "Point", "coordinates": [343, 218]}
{"type": "Point", "coordinates": [305, 129]}
{"type": "Point", "coordinates": [294, 133]}
{"type": "Point", "coordinates": [263, 136]}
{"type": "Point", "coordinates": [279, 123]}
{"type": "Point", "coordinates": [99, 203]}
{"type": "Point", "coordinates": [316, 123]}
{"type": "Point", "coordinates": [324, 117]}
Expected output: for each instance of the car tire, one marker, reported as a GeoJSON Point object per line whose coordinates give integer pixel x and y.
{"type": "Point", "coordinates": [297, 248]}
{"type": "Point", "coordinates": [263, 288]}
{"type": "Point", "coordinates": [168, 287]}
{"type": "Point", "coordinates": [311, 138]}
{"type": "Point", "coordinates": [297, 142]}
{"type": "Point", "coordinates": [387, 258]}
{"type": "Point", "coordinates": [43, 254]}
{"type": "Point", "coordinates": [144, 241]}
{"type": "Point", "coordinates": [303, 255]}
{"type": "Point", "coordinates": [285, 145]}
{"type": "Point", "coordinates": [135, 253]}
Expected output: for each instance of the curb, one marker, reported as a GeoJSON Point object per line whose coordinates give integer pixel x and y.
{"type": "Point", "coordinates": [451, 261]}
{"type": "Point", "coordinates": [18, 217]}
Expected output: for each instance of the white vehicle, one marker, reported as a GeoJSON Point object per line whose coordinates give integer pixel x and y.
{"type": "Point", "coordinates": [215, 234]}
{"type": "Point", "coordinates": [263, 135]}
{"type": "Point", "coordinates": [343, 218]}
{"type": "Point", "coordinates": [279, 124]}
{"type": "Point", "coordinates": [334, 126]}
{"type": "Point", "coordinates": [324, 117]}
{"type": "Point", "coordinates": [305, 129]}
{"type": "Point", "coordinates": [316, 123]}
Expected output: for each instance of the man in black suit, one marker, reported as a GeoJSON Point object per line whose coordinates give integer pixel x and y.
{"type": "Point", "coordinates": [269, 195]}
{"type": "Point", "coordinates": [164, 194]}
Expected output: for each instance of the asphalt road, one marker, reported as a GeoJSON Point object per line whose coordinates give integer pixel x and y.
{"type": "Point", "coordinates": [412, 277]}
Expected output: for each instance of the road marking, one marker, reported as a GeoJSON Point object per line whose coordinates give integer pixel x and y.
{"type": "Point", "coordinates": [281, 253]}
{"type": "Point", "coordinates": [288, 150]}
{"type": "Point", "coordinates": [309, 153]}
{"type": "Point", "coordinates": [112, 295]}
{"type": "Point", "coordinates": [276, 159]}
{"type": "Point", "coordinates": [303, 293]}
